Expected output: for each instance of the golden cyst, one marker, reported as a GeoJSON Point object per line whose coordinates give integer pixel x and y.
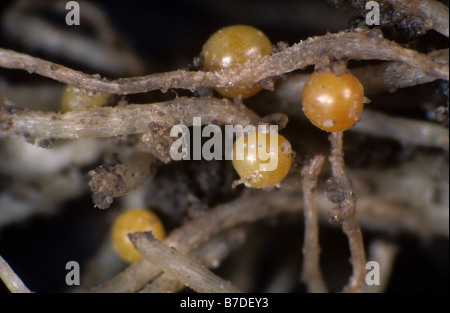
{"type": "Point", "coordinates": [73, 99]}
{"type": "Point", "coordinates": [130, 222]}
{"type": "Point", "coordinates": [333, 103]}
{"type": "Point", "coordinates": [235, 45]}
{"type": "Point", "coordinates": [262, 160]}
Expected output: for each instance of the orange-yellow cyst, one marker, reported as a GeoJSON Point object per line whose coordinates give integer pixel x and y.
{"type": "Point", "coordinates": [262, 160]}
{"type": "Point", "coordinates": [130, 222]}
{"type": "Point", "coordinates": [333, 103]}
{"type": "Point", "coordinates": [235, 45]}
{"type": "Point", "coordinates": [73, 99]}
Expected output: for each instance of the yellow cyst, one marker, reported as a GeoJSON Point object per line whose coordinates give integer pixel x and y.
{"type": "Point", "coordinates": [73, 99]}
{"type": "Point", "coordinates": [262, 160]}
{"type": "Point", "coordinates": [130, 222]}
{"type": "Point", "coordinates": [333, 103]}
{"type": "Point", "coordinates": [235, 45]}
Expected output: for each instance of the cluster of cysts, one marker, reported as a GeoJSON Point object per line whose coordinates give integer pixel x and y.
{"type": "Point", "coordinates": [331, 102]}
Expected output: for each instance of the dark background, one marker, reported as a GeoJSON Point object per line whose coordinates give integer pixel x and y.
{"type": "Point", "coordinates": [170, 35]}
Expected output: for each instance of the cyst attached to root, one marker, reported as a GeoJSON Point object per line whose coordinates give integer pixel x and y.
{"type": "Point", "coordinates": [74, 99]}
{"type": "Point", "coordinates": [333, 103]}
{"type": "Point", "coordinates": [262, 160]}
{"type": "Point", "coordinates": [130, 222]}
{"type": "Point", "coordinates": [232, 46]}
